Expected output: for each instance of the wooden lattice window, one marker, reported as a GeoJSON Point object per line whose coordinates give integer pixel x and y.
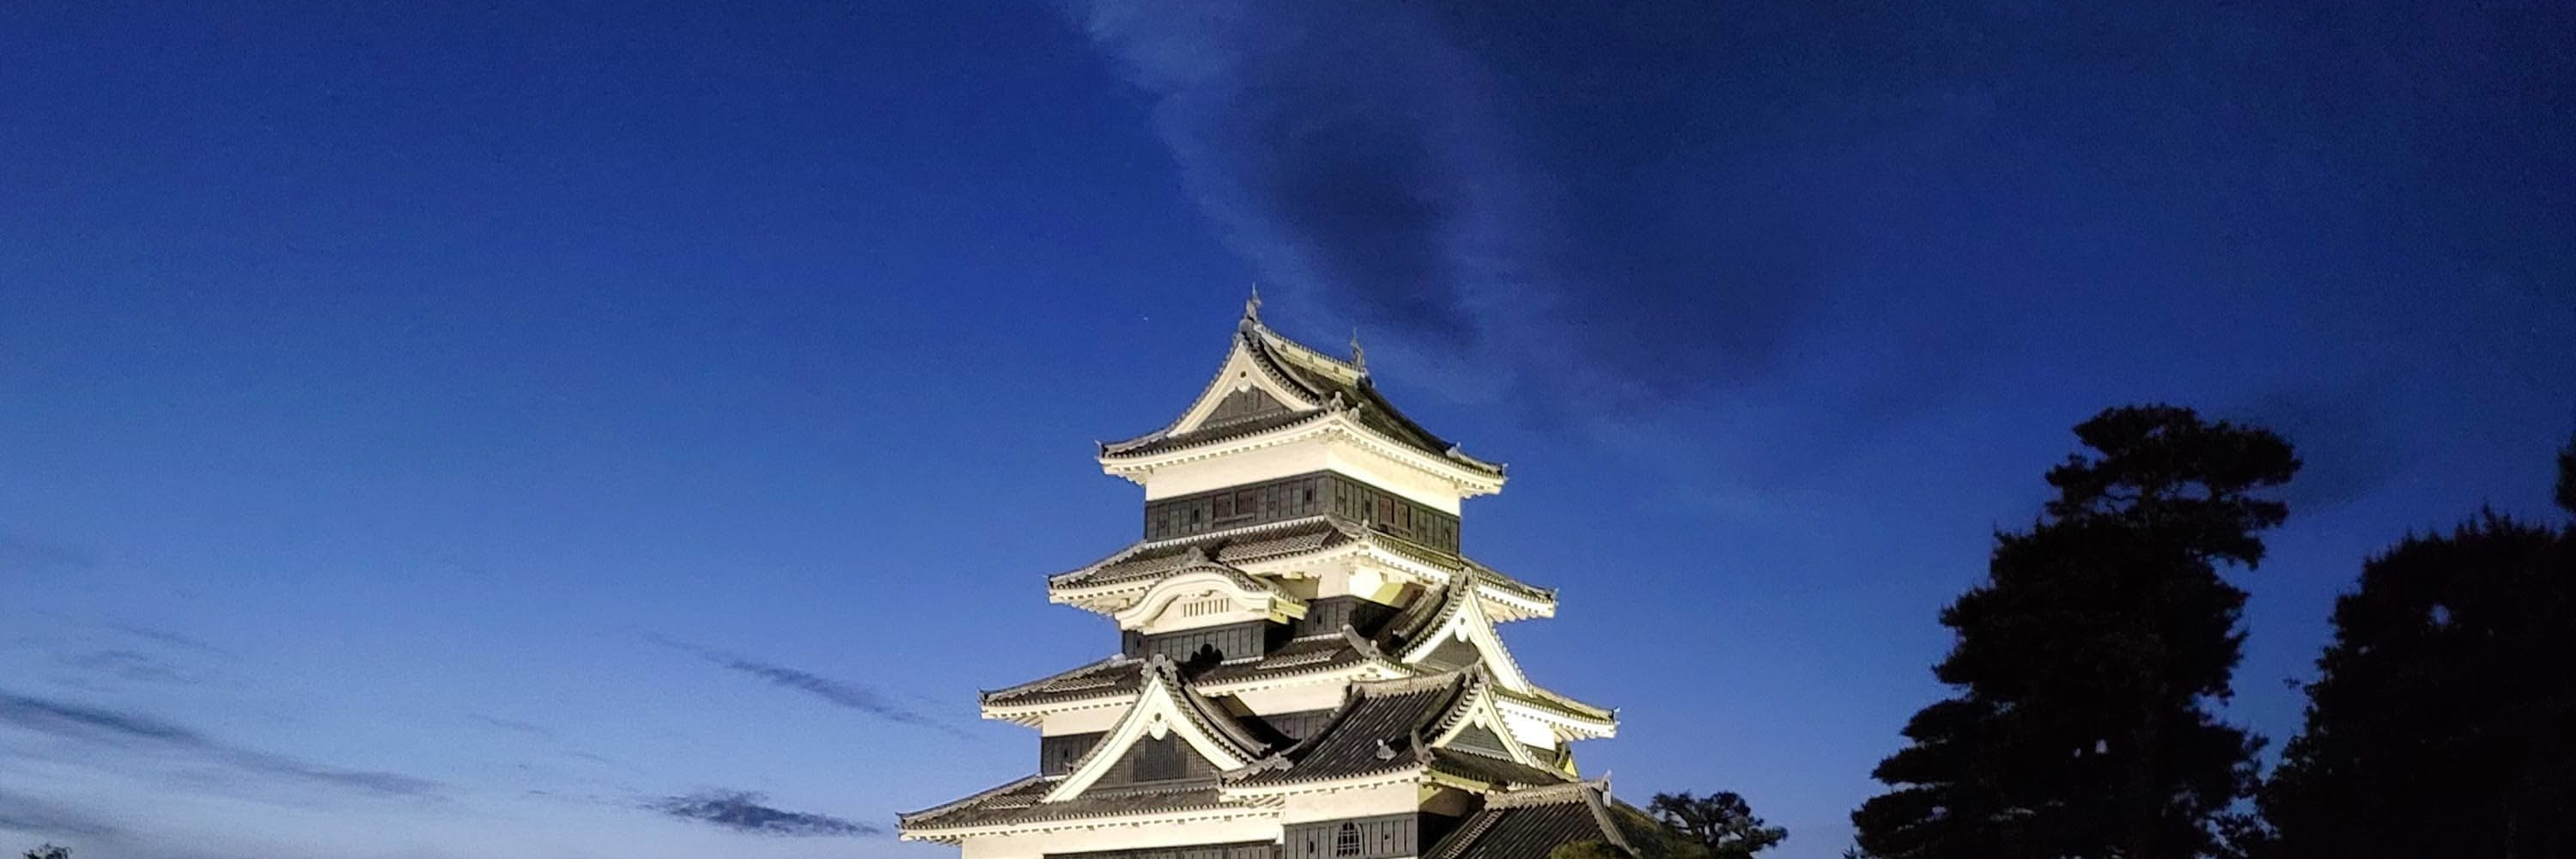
{"type": "Point", "coordinates": [1346, 841]}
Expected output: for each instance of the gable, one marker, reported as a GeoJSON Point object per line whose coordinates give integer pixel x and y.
{"type": "Point", "coordinates": [1479, 726]}
{"type": "Point", "coordinates": [1164, 710]}
{"type": "Point", "coordinates": [1462, 621]}
{"type": "Point", "coordinates": [1478, 738]}
{"type": "Point", "coordinates": [1243, 404]}
{"type": "Point", "coordinates": [1243, 389]}
{"type": "Point", "coordinates": [1452, 654]}
{"type": "Point", "coordinates": [1158, 759]}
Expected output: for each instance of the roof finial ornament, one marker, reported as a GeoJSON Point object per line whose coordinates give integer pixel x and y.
{"type": "Point", "coordinates": [1252, 304]}
{"type": "Point", "coordinates": [1359, 356]}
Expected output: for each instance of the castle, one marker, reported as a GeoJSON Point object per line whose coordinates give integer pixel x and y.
{"type": "Point", "coordinates": [1308, 667]}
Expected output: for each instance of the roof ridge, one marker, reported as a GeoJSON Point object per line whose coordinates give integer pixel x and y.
{"type": "Point", "coordinates": [1085, 669]}
{"type": "Point", "coordinates": [1217, 433]}
{"type": "Point", "coordinates": [1457, 842]}
{"type": "Point", "coordinates": [1270, 337]}
{"type": "Point", "coordinates": [1547, 794]}
{"type": "Point", "coordinates": [955, 804]}
{"type": "Point", "coordinates": [1239, 532]}
{"type": "Point", "coordinates": [1406, 685]}
{"type": "Point", "coordinates": [1197, 707]}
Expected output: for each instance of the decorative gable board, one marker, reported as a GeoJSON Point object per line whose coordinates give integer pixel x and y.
{"type": "Point", "coordinates": [1152, 760]}
{"type": "Point", "coordinates": [1243, 404]}
{"type": "Point", "coordinates": [1163, 710]}
{"type": "Point", "coordinates": [1241, 373]}
{"type": "Point", "coordinates": [1465, 621]}
{"type": "Point", "coordinates": [1478, 738]}
{"type": "Point", "coordinates": [1451, 655]}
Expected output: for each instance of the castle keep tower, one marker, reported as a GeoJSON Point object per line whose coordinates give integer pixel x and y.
{"type": "Point", "coordinates": [1307, 667]}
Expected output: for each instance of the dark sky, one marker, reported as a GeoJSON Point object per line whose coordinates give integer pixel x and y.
{"type": "Point", "coordinates": [446, 430]}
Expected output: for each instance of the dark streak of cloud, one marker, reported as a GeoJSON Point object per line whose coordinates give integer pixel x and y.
{"type": "Point", "coordinates": [140, 731]}
{"type": "Point", "coordinates": [35, 816]}
{"type": "Point", "coordinates": [841, 692]}
{"type": "Point", "coordinates": [164, 636]}
{"type": "Point", "coordinates": [1385, 156]}
{"type": "Point", "coordinates": [147, 633]}
{"type": "Point", "coordinates": [1605, 209]}
{"type": "Point", "coordinates": [742, 811]}
{"type": "Point", "coordinates": [127, 665]}
{"type": "Point", "coordinates": [516, 726]}
{"type": "Point", "coordinates": [23, 554]}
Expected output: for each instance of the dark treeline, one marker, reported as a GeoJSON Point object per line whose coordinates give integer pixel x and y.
{"type": "Point", "coordinates": [2088, 665]}
{"type": "Point", "coordinates": [2442, 722]}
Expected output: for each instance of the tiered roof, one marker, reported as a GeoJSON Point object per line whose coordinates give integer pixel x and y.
{"type": "Point", "coordinates": [1325, 384]}
{"type": "Point", "coordinates": [1379, 654]}
{"type": "Point", "coordinates": [1104, 584]}
{"type": "Point", "coordinates": [1396, 726]}
{"type": "Point", "coordinates": [1527, 824]}
{"type": "Point", "coordinates": [1118, 678]}
{"type": "Point", "coordinates": [1429, 695]}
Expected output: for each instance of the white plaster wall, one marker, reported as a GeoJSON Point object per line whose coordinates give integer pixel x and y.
{"type": "Point", "coordinates": [1034, 845]}
{"type": "Point", "coordinates": [1090, 721]}
{"type": "Point", "coordinates": [1530, 731]}
{"type": "Point", "coordinates": [1392, 798]}
{"type": "Point", "coordinates": [1349, 458]}
{"type": "Point", "coordinates": [1313, 454]}
{"type": "Point", "coordinates": [1292, 699]}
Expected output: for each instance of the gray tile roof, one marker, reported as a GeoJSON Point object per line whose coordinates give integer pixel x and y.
{"type": "Point", "coordinates": [1375, 732]}
{"type": "Point", "coordinates": [1529, 823]}
{"type": "Point", "coordinates": [1144, 562]}
{"type": "Point", "coordinates": [1309, 655]}
{"type": "Point", "coordinates": [1211, 434]}
{"type": "Point", "coordinates": [1320, 377]}
{"type": "Point", "coordinates": [1122, 676]}
{"type": "Point", "coordinates": [1141, 563]}
{"type": "Point", "coordinates": [1384, 727]}
{"type": "Point", "coordinates": [1492, 770]}
{"type": "Point", "coordinates": [1114, 677]}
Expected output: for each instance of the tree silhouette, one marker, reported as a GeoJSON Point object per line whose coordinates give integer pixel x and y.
{"type": "Point", "coordinates": [2443, 718]}
{"type": "Point", "coordinates": [1721, 823]}
{"type": "Point", "coordinates": [49, 851]}
{"type": "Point", "coordinates": [2083, 664]}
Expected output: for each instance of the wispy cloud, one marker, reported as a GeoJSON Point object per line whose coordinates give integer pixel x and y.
{"type": "Point", "coordinates": [1386, 156]}
{"type": "Point", "coordinates": [20, 553]}
{"type": "Point", "coordinates": [515, 726]}
{"type": "Point", "coordinates": [152, 634]}
{"type": "Point", "coordinates": [163, 636]}
{"type": "Point", "coordinates": [841, 692]}
{"type": "Point", "coordinates": [144, 732]}
{"type": "Point", "coordinates": [21, 813]}
{"type": "Point", "coordinates": [742, 811]}
{"type": "Point", "coordinates": [127, 665]}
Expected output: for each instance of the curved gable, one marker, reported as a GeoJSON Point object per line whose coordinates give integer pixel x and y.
{"type": "Point", "coordinates": [1207, 594]}
{"type": "Point", "coordinates": [1166, 708]}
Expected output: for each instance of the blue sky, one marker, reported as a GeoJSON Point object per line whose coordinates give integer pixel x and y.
{"type": "Point", "coordinates": [446, 430]}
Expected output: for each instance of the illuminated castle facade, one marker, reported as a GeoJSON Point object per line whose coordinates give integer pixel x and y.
{"type": "Point", "coordinates": [1307, 666]}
